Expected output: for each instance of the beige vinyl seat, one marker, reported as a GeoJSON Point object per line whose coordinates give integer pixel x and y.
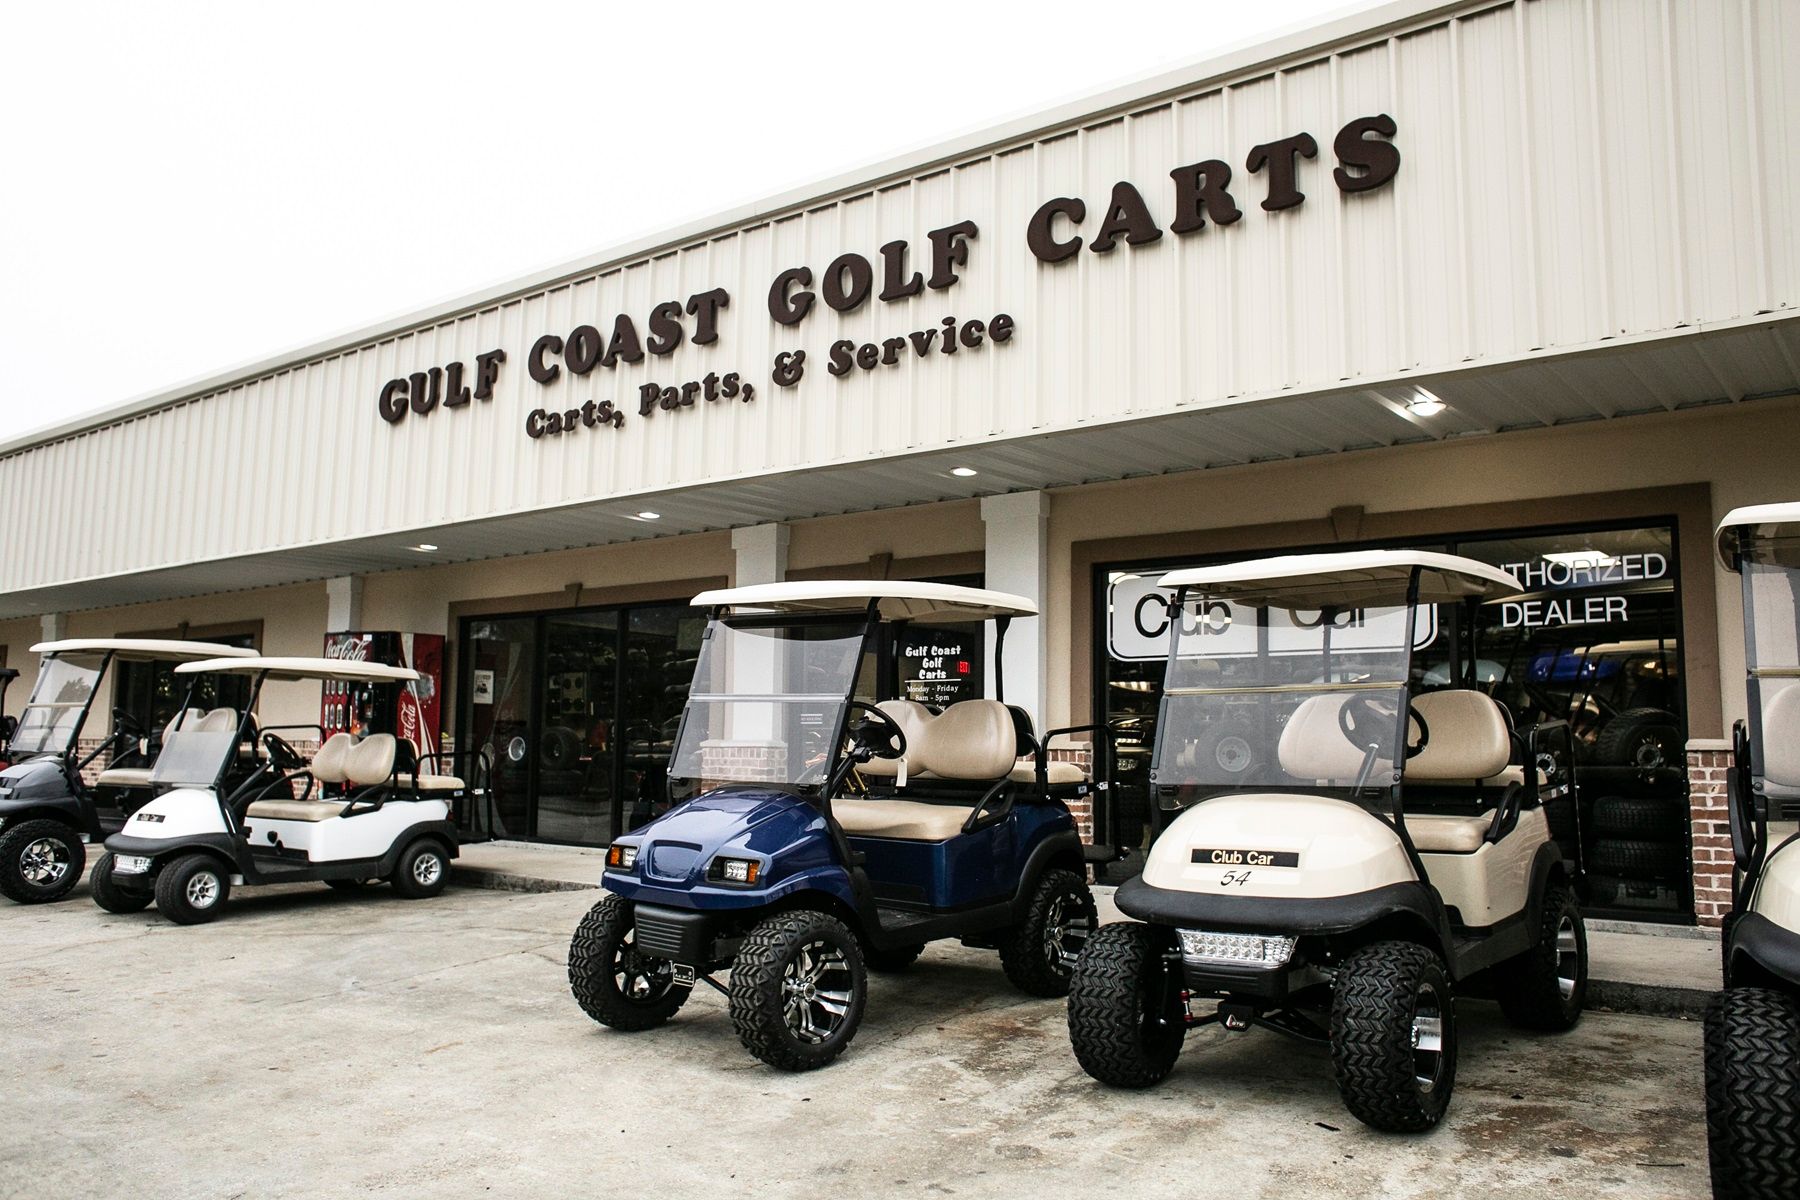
{"type": "Point", "coordinates": [1468, 746]}
{"type": "Point", "coordinates": [972, 740]}
{"type": "Point", "coordinates": [341, 760]}
{"type": "Point", "coordinates": [139, 777]}
{"type": "Point", "coordinates": [407, 781]}
{"type": "Point", "coordinates": [916, 721]}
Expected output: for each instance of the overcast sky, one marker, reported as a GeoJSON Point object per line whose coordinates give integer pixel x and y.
{"type": "Point", "coordinates": [191, 186]}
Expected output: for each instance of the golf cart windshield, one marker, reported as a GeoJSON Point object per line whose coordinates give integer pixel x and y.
{"type": "Point", "coordinates": [1280, 698]}
{"type": "Point", "coordinates": [767, 702]}
{"type": "Point", "coordinates": [59, 701]}
{"type": "Point", "coordinates": [193, 757]}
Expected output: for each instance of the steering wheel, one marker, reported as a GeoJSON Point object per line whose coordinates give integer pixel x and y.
{"type": "Point", "coordinates": [1360, 713]}
{"type": "Point", "coordinates": [126, 724]}
{"type": "Point", "coordinates": [282, 753]}
{"type": "Point", "coordinates": [877, 735]}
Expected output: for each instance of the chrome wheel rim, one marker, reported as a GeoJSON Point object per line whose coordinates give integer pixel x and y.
{"type": "Point", "coordinates": [1232, 754]}
{"type": "Point", "coordinates": [427, 868]}
{"type": "Point", "coordinates": [1427, 1038]}
{"type": "Point", "coordinates": [1568, 956]}
{"type": "Point", "coordinates": [817, 987]}
{"type": "Point", "coordinates": [203, 889]}
{"type": "Point", "coordinates": [640, 978]}
{"type": "Point", "coordinates": [1066, 930]}
{"type": "Point", "coordinates": [44, 863]}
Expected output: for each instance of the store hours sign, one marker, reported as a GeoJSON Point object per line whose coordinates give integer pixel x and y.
{"type": "Point", "coordinates": [638, 353]}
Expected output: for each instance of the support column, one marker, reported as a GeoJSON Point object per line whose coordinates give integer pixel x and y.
{"type": "Point", "coordinates": [53, 627]}
{"type": "Point", "coordinates": [761, 554]}
{"type": "Point", "coordinates": [343, 604]}
{"type": "Point", "coordinates": [1018, 561]}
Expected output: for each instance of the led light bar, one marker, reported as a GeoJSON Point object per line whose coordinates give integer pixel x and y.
{"type": "Point", "coordinates": [1235, 949]}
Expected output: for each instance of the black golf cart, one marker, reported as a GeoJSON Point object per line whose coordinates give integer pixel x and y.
{"type": "Point", "coordinates": [49, 810]}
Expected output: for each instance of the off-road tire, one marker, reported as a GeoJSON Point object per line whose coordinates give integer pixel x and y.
{"type": "Point", "coordinates": [1126, 1019]}
{"type": "Point", "coordinates": [1032, 964]}
{"type": "Point", "coordinates": [1638, 859]}
{"type": "Point", "coordinates": [109, 895]}
{"type": "Point", "coordinates": [174, 897]}
{"type": "Point", "coordinates": [758, 1009]}
{"type": "Point", "coordinates": [1640, 817]}
{"type": "Point", "coordinates": [1373, 1004]}
{"type": "Point", "coordinates": [412, 879]}
{"type": "Point", "coordinates": [1529, 985]}
{"type": "Point", "coordinates": [1753, 1094]}
{"type": "Point", "coordinates": [1640, 737]}
{"type": "Point", "coordinates": [13, 844]}
{"type": "Point", "coordinates": [593, 955]}
{"type": "Point", "coordinates": [888, 962]}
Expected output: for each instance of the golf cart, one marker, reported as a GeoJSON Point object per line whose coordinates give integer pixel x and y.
{"type": "Point", "coordinates": [362, 810]}
{"type": "Point", "coordinates": [7, 724]}
{"type": "Point", "coordinates": [48, 810]}
{"type": "Point", "coordinates": [1381, 859]}
{"type": "Point", "coordinates": [821, 834]}
{"type": "Point", "coordinates": [1753, 1026]}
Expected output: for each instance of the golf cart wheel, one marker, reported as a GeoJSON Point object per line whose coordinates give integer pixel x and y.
{"type": "Point", "coordinates": [1039, 953]}
{"type": "Point", "coordinates": [1645, 738]}
{"type": "Point", "coordinates": [614, 983]}
{"type": "Point", "coordinates": [1393, 1036]}
{"type": "Point", "coordinates": [889, 961]}
{"type": "Point", "coordinates": [192, 890]}
{"type": "Point", "coordinates": [1546, 986]}
{"type": "Point", "coordinates": [1126, 1018]}
{"type": "Point", "coordinates": [109, 895]}
{"type": "Point", "coordinates": [40, 861]}
{"type": "Point", "coordinates": [1753, 1094]}
{"type": "Point", "coordinates": [423, 870]}
{"type": "Point", "coordinates": [1635, 859]}
{"type": "Point", "coordinates": [798, 990]}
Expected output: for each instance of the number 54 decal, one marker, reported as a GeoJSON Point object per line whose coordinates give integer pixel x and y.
{"type": "Point", "coordinates": [1234, 879]}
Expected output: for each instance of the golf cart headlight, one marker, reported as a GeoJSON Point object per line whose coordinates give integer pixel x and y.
{"type": "Point", "coordinates": [621, 858]}
{"type": "Point", "coordinates": [1236, 949]}
{"type": "Point", "coordinates": [736, 870]}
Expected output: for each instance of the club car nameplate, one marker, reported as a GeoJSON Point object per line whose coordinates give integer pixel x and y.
{"type": "Point", "coordinates": [1247, 858]}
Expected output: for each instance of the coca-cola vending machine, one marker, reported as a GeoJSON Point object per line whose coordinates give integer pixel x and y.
{"type": "Point", "coordinates": [410, 710]}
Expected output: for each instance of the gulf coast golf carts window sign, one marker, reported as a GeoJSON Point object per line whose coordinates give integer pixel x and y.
{"type": "Point", "coordinates": [1200, 194]}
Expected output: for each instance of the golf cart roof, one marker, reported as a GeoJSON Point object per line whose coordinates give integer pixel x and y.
{"type": "Point", "coordinates": [1765, 522]}
{"type": "Point", "coordinates": [347, 669]}
{"type": "Point", "coordinates": [897, 600]}
{"type": "Point", "coordinates": [1359, 578]}
{"type": "Point", "coordinates": [143, 649]}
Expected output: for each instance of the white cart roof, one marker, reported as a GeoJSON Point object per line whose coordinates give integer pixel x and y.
{"type": "Point", "coordinates": [143, 649]}
{"type": "Point", "coordinates": [1360, 578]}
{"type": "Point", "coordinates": [899, 600]}
{"type": "Point", "coordinates": [346, 669]}
{"type": "Point", "coordinates": [1765, 522]}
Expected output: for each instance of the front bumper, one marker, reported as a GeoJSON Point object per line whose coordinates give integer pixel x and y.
{"type": "Point", "coordinates": [683, 935]}
{"type": "Point", "coordinates": [1309, 917]}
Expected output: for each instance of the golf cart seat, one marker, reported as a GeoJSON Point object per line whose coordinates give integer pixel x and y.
{"type": "Point", "coordinates": [139, 777]}
{"type": "Point", "coordinates": [219, 720]}
{"type": "Point", "coordinates": [1468, 746]}
{"type": "Point", "coordinates": [921, 727]}
{"type": "Point", "coordinates": [972, 744]}
{"type": "Point", "coordinates": [341, 760]}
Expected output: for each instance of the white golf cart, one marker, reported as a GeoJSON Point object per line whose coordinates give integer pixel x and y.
{"type": "Point", "coordinates": [1380, 857]}
{"type": "Point", "coordinates": [1753, 1027]}
{"type": "Point", "coordinates": [49, 808]}
{"type": "Point", "coordinates": [363, 809]}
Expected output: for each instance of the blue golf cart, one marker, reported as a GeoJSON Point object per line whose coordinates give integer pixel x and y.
{"type": "Point", "coordinates": [824, 834]}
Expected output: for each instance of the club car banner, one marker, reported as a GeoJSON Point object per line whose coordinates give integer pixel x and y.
{"type": "Point", "coordinates": [1138, 625]}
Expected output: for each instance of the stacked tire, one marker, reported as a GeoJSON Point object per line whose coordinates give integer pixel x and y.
{"type": "Point", "coordinates": [1639, 829]}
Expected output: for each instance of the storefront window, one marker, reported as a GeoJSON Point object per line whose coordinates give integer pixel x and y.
{"type": "Point", "coordinates": [150, 693]}
{"type": "Point", "coordinates": [1594, 641]}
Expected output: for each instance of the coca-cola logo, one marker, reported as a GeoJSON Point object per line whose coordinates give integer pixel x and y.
{"type": "Point", "coordinates": [352, 649]}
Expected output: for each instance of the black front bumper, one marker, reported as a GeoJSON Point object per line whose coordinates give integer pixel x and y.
{"type": "Point", "coordinates": [1255, 914]}
{"type": "Point", "coordinates": [681, 935]}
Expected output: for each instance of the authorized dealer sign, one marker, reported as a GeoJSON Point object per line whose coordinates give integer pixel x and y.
{"type": "Point", "coordinates": [636, 356]}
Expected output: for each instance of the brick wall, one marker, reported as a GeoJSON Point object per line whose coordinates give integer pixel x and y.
{"type": "Point", "coordinates": [1083, 808]}
{"type": "Point", "coordinates": [1707, 764]}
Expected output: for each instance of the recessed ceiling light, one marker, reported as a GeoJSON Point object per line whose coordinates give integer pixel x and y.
{"type": "Point", "coordinates": [427, 547]}
{"type": "Point", "coordinates": [647, 515]}
{"type": "Point", "coordinates": [1424, 404]}
{"type": "Point", "coordinates": [964, 472]}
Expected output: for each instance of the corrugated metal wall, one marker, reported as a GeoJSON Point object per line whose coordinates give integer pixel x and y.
{"type": "Point", "coordinates": [1573, 171]}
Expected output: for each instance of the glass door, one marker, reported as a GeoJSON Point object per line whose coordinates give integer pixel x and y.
{"type": "Point", "coordinates": [501, 690]}
{"type": "Point", "coordinates": [661, 646]}
{"type": "Point", "coordinates": [576, 784]}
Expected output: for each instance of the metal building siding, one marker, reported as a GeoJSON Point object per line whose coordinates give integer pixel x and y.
{"type": "Point", "coordinates": [1573, 171]}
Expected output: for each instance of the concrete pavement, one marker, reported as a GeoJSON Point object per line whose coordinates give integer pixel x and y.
{"type": "Point", "coordinates": [313, 1043]}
